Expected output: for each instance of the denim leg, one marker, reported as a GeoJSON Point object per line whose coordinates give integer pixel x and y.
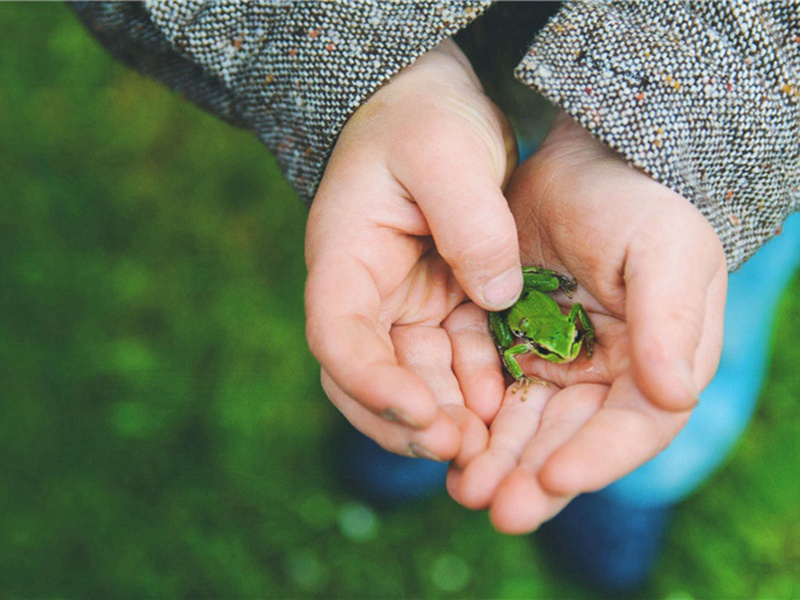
{"type": "Point", "coordinates": [727, 404]}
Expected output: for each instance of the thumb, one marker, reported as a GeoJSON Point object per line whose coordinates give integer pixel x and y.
{"type": "Point", "coordinates": [478, 239]}
{"type": "Point", "coordinates": [676, 298]}
{"type": "Point", "coordinates": [474, 231]}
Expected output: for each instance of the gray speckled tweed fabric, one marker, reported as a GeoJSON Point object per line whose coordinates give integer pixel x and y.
{"type": "Point", "coordinates": [291, 71]}
{"type": "Point", "coordinates": [702, 95]}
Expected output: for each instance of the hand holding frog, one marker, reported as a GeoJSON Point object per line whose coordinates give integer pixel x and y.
{"type": "Point", "coordinates": [652, 277]}
{"type": "Point", "coordinates": [538, 321]}
{"type": "Point", "coordinates": [423, 161]}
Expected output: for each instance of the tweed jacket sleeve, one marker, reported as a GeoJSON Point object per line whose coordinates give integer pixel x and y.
{"type": "Point", "coordinates": [290, 71]}
{"type": "Point", "coordinates": [701, 95]}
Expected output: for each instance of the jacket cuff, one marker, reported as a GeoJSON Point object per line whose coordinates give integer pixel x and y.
{"type": "Point", "coordinates": [703, 99]}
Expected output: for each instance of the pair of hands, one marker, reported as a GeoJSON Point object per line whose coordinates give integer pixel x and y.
{"type": "Point", "coordinates": [421, 224]}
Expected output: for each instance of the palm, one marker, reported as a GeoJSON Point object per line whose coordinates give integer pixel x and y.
{"type": "Point", "coordinates": [652, 277]}
{"type": "Point", "coordinates": [424, 159]}
{"type": "Point", "coordinates": [419, 290]}
{"type": "Point", "coordinates": [395, 349]}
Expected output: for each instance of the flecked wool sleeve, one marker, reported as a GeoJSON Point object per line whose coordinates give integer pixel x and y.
{"type": "Point", "coordinates": [292, 71]}
{"type": "Point", "coordinates": [702, 95]}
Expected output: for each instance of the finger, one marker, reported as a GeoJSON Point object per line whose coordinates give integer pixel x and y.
{"type": "Point", "coordinates": [453, 481]}
{"type": "Point", "coordinates": [627, 432]}
{"type": "Point", "coordinates": [709, 350]}
{"type": "Point", "coordinates": [426, 351]}
{"type": "Point", "coordinates": [474, 442]}
{"type": "Point", "coordinates": [668, 284]}
{"type": "Point", "coordinates": [521, 504]}
{"type": "Point", "coordinates": [476, 362]}
{"type": "Point", "coordinates": [440, 441]}
{"type": "Point", "coordinates": [512, 430]}
{"type": "Point", "coordinates": [354, 348]}
{"type": "Point", "coordinates": [474, 434]}
{"type": "Point", "coordinates": [470, 220]}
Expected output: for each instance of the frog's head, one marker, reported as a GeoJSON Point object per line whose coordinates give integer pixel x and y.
{"type": "Point", "coordinates": [559, 343]}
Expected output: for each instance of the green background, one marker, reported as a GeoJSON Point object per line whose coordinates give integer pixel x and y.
{"type": "Point", "coordinates": [163, 431]}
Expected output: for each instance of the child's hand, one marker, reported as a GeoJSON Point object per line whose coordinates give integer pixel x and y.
{"type": "Point", "coordinates": [423, 162]}
{"type": "Point", "coordinates": [652, 274]}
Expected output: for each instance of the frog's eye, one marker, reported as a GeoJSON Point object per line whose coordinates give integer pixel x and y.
{"type": "Point", "coordinates": [541, 350]}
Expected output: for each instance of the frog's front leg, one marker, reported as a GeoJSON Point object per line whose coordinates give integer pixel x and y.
{"type": "Point", "coordinates": [504, 340]}
{"type": "Point", "coordinates": [522, 380]}
{"type": "Point", "coordinates": [500, 330]}
{"type": "Point", "coordinates": [547, 280]}
{"type": "Point", "coordinates": [578, 314]}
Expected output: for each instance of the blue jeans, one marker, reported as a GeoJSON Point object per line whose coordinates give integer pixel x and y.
{"type": "Point", "coordinates": [727, 404]}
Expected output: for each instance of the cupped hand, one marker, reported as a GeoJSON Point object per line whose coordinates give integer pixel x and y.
{"type": "Point", "coordinates": [652, 275]}
{"type": "Point", "coordinates": [409, 220]}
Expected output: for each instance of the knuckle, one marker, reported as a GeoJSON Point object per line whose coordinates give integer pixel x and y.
{"type": "Point", "coordinates": [323, 341]}
{"type": "Point", "coordinates": [484, 249]}
{"type": "Point", "coordinates": [317, 342]}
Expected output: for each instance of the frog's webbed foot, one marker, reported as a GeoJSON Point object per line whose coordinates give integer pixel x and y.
{"type": "Point", "coordinates": [547, 280]}
{"type": "Point", "coordinates": [589, 342]}
{"type": "Point", "coordinates": [566, 285]}
{"type": "Point", "coordinates": [524, 383]}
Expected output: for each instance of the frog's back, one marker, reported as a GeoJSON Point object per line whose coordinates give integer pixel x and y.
{"type": "Point", "coordinates": [531, 308]}
{"type": "Point", "coordinates": [534, 302]}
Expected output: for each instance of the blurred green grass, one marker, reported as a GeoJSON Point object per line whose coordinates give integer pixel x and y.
{"type": "Point", "coordinates": [163, 431]}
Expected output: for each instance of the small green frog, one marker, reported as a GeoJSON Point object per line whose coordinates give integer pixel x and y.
{"type": "Point", "coordinates": [537, 320]}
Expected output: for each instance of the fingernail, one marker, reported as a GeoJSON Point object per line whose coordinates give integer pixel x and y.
{"type": "Point", "coordinates": [397, 415]}
{"type": "Point", "coordinates": [417, 451]}
{"type": "Point", "coordinates": [502, 291]}
{"type": "Point", "coordinates": [687, 375]}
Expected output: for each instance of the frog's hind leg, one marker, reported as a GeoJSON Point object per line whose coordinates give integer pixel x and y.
{"type": "Point", "coordinates": [510, 359]}
{"type": "Point", "coordinates": [547, 280]}
{"type": "Point", "coordinates": [524, 383]}
{"type": "Point", "coordinates": [578, 314]}
{"type": "Point", "coordinates": [501, 332]}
